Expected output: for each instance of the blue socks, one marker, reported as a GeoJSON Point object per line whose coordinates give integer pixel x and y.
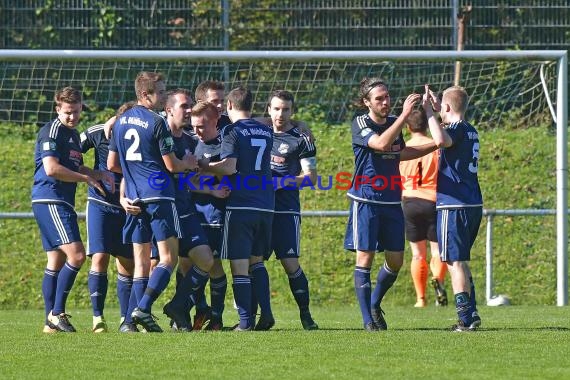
{"type": "Point", "coordinates": [49, 286]}
{"type": "Point", "coordinates": [362, 287]}
{"type": "Point", "coordinates": [98, 283]}
{"type": "Point", "coordinates": [65, 282]}
{"type": "Point", "coordinates": [157, 282]}
{"type": "Point", "coordinates": [242, 296]}
{"type": "Point", "coordinates": [384, 281]}
{"type": "Point", "coordinates": [300, 289]}
{"type": "Point", "coordinates": [185, 297]}
{"type": "Point", "coordinates": [218, 289]}
{"type": "Point", "coordinates": [260, 284]}
{"type": "Point", "coordinates": [139, 287]}
{"type": "Point", "coordinates": [472, 295]}
{"type": "Point", "coordinates": [463, 307]}
{"type": "Point", "coordinates": [124, 286]}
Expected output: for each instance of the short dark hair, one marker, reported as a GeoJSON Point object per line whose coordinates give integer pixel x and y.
{"type": "Point", "coordinates": [203, 87]}
{"type": "Point", "coordinates": [241, 99]}
{"type": "Point", "coordinates": [68, 95]}
{"type": "Point", "coordinates": [283, 95]}
{"type": "Point", "coordinates": [146, 81]}
{"type": "Point", "coordinates": [170, 94]}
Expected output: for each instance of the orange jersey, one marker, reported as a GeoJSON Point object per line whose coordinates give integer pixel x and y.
{"type": "Point", "coordinates": [420, 175]}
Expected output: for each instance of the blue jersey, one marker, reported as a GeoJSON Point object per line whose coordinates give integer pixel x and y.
{"type": "Point", "coordinates": [94, 138]}
{"type": "Point", "coordinates": [211, 208]}
{"type": "Point", "coordinates": [457, 182]}
{"type": "Point", "coordinates": [56, 140]}
{"type": "Point", "coordinates": [183, 145]}
{"type": "Point", "coordinates": [251, 186]}
{"type": "Point", "coordinates": [141, 137]}
{"type": "Point", "coordinates": [288, 149]}
{"type": "Point", "coordinates": [376, 177]}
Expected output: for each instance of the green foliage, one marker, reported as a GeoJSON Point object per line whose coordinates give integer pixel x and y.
{"type": "Point", "coordinates": [107, 23]}
{"type": "Point", "coordinates": [516, 171]}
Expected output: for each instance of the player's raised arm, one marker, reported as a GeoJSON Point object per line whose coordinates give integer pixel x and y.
{"type": "Point", "coordinates": [383, 142]}
{"type": "Point", "coordinates": [438, 133]}
{"type": "Point", "coordinates": [174, 165]}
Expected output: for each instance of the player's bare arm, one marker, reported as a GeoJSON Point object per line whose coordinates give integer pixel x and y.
{"type": "Point", "coordinates": [108, 126]}
{"type": "Point", "coordinates": [54, 169]}
{"type": "Point", "coordinates": [413, 152]}
{"type": "Point", "coordinates": [100, 175]}
{"type": "Point", "coordinates": [174, 165]}
{"type": "Point", "coordinates": [113, 163]}
{"type": "Point", "coordinates": [438, 133]}
{"type": "Point", "coordinates": [227, 166]}
{"type": "Point", "coordinates": [127, 203]}
{"type": "Point", "coordinates": [384, 141]}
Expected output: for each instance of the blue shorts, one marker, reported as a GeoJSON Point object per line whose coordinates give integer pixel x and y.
{"type": "Point", "coordinates": [285, 236]}
{"type": "Point", "coordinates": [375, 227]}
{"type": "Point", "coordinates": [194, 234]}
{"type": "Point", "coordinates": [104, 230]}
{"type": "Point", "coordinates": [58, 224]}
{"type": "Point", "coordinates": [246, 233]}
{"type": "Point", "coordinates": [157, 219]}
{"type": "Point", "coordinates": [214, 235]}
{"type": "Point", "coordinates": [456, 232]}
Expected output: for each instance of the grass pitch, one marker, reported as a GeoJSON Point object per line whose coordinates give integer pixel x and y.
{"type": "Point", "coordinates": [519, 342]}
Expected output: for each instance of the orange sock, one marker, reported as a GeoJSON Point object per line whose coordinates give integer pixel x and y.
{"type": "Point", "coordinates": [438, 268]}
{"type": "Point", "coordinates": [419, 269]}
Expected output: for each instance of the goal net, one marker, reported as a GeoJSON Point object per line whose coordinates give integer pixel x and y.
{"type": "Point", "coordinates": [501, 91]}
{"type": "Point", "coordinates": [507, 88]}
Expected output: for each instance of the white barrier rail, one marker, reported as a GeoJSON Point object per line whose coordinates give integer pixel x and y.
{"type": "Point", "coordinates": [488, 214]}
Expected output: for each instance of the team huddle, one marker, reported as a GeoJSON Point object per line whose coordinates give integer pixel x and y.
{"type": "Point", "coordinates": [178, 186]}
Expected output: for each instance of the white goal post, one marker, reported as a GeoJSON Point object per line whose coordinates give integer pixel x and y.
{"type": "Point", "coordinates": [561, 111]}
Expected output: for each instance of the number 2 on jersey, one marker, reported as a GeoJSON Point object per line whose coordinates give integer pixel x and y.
{"type": "Point", "coordinates": [132, 154]}
{"type": "Point", "coordinates": [261, 144]}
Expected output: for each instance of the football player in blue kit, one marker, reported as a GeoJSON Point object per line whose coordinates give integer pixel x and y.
{"type": "Point", "coordinates": [105, 221]}
{"type": "Point", "coordinates": [211, 209]}
{"type": "Point", "coordinates": [294, 164]}
{"type": "Point", "coordinates": [459, 202]}
{"type": "Point", "coordinates": [58, 168]}
{"type": "Point", "coordinates": [195, 255]}
{"type": "Point", "coordinates": [142, 149]}
{"type": "Point", "coordinates": [376, 220]}
{"type": "Point", "coordinates": [245, 160]}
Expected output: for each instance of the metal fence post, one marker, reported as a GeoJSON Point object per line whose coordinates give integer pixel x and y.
{"type": "Point", "coordinates": [489, 257]}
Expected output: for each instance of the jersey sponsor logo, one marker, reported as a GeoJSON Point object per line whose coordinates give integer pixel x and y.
{"type": "Point", "coordinates": [70, 140]}
{"type": "Point", "coordinates": [277, 159]}
{"type": "Point", "coordinates": [75, 156]}
{"type": "Point", "coordinates": [283, 148]}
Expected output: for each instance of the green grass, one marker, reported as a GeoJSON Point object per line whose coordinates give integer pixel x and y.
{"type": "Point", "coordinates": [514, 342]}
